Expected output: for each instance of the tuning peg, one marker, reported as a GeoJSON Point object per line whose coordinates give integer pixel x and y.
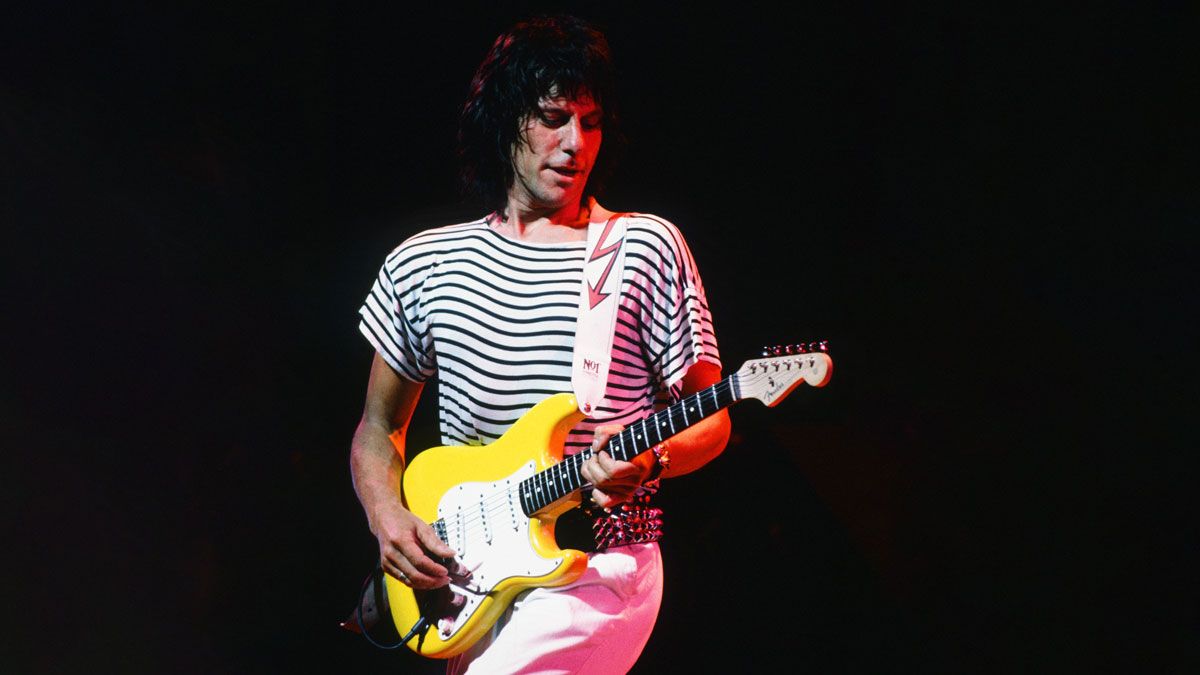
{"type": "Point", "coordinates": [798, 348]}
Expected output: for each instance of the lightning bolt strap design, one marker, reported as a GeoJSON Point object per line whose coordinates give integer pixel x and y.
{"type": "Point", "coordinates": [595, 294]}
{"type": "Point", "coordinates": [601, 249]}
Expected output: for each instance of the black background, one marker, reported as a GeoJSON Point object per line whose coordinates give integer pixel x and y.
{"type": "Point", "coordinates": [988, 212]}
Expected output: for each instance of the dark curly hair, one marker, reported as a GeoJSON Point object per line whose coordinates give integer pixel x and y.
{"type": "Point", "coordinates": [558, 54]}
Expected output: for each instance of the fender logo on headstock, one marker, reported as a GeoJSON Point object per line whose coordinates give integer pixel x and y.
{"type": "Point", "coordinates": [772, 378]}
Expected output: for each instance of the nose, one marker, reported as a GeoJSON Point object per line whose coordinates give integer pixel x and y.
{"type": "Point", "coordinates": [571, 139]}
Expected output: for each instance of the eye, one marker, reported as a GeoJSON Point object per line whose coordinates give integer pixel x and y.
{"type": "Point", "coordinates": [593, 122]}
{"type": "Point", "coordinates": [553, 118]}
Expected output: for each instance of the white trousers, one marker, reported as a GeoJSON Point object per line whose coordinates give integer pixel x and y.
{"type": "Point", "coordinates": [596, 625]}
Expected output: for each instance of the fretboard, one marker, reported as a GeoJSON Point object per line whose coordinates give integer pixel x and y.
{"type": "Point", "coordinates": [558, 481]}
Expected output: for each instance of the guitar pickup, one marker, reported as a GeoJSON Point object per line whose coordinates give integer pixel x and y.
{"type": "Point", "coordinates": [484, 523]}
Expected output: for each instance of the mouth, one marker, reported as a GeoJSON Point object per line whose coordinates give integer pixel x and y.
{"type": "Point", "coordinates": [566, 172]}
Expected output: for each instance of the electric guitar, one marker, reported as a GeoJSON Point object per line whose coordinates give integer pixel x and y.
{"type": "Point", "coordinates": [496, 505]}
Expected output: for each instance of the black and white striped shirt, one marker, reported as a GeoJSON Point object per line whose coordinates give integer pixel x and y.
{"type": "Point", "coordinates": [494, 319]}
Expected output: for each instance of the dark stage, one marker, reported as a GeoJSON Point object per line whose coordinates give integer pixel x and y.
{"type": "Point", "coordinates": [988, 212]}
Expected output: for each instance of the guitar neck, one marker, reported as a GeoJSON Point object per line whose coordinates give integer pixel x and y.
{"type": "Point", "coordinates": [665, 423]}
{"type": "Point", "coordinates": [558, 481]}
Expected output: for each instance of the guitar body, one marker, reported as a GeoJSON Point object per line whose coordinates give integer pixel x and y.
{"type": "Point", "coordinates": [496, 505]}
{"type": "Point", "coordinates": [473, 490]}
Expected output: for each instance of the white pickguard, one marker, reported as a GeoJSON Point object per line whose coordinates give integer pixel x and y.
{"type": "Point", "coordinates": [485, 524]}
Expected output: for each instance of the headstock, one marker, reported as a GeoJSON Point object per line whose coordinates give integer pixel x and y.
{"type": "Point", "coordinates": [771, 378]}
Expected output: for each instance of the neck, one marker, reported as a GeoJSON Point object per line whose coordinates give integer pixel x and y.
{"type": "Point", "coordinates": [547, 225]}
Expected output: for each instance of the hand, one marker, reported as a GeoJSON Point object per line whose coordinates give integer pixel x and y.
{"type": "Point", "coordinates": [405, 545]}
{"type": "Point", "coordinates": [613, 482]}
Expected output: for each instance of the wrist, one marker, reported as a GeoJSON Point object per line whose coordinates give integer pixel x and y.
{"type": "Point", "coordinates": [662, 462]}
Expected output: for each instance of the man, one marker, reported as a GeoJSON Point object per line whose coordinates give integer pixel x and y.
{"type": "Point", "coordinates": [490, 308]}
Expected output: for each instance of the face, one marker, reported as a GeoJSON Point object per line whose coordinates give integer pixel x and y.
{"type": "Point", "coordinates": [556, 153]}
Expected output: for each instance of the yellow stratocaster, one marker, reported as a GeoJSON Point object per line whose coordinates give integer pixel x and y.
{"type": "Point", "coordinates": [496, 505]}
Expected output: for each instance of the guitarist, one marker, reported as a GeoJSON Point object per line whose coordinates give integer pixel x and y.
{"type": "Point", "coordinates": [489, 307]}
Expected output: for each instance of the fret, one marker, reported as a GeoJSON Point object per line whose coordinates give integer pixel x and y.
{"type": "Point", "coordinates": [526, 498]}
{"type": "Point", "coordinates": [693, 411]}
{"type": "Point", "coordinates": [576, 464]}
{"type": "Point", "coordinates": [548, 487]}
{"type": "Point", "coordinates": [639, 438]}
{"type": "Point", "coordinates": [616, 447]}
{"type": "Point", "coordinates": [650, 425]}
{"type": "Point", "coordinates": [537, 494]}
{"type": "Point", "coordinates": [560, 483]}
{"type": "Point", "coordinates": [663, 420]}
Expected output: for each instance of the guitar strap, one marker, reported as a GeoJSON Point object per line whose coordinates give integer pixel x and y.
{"type": "Point", "coordinates": [603, 271]}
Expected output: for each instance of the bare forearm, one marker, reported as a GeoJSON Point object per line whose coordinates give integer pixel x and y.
{"type": "Point", "coordinates": [698, 445]}
{"type": "Point", "coordinates": [376, 467]}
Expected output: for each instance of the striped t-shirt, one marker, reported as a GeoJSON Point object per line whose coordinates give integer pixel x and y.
{"type": "Point", "coordinates": [494, 319]}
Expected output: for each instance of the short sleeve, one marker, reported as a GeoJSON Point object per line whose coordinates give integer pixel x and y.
{"type": "Point", "coordinates": [680, 332]}
{"type": "Point", "coordinates": [392, 318]}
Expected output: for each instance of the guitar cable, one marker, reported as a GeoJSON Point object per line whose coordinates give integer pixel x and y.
{"type": "Point", "coordinates": [417, 628]}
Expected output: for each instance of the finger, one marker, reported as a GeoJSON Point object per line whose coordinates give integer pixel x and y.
{"type": "Point", "coordinates": [606, 462]}
{"type": "Point", "coordinates": [618, 470]}
{"type": "Point", "coordinates": [593, 471]}
{"type": "Point", "coordinates": [434, 543]}
{"type": "Point", "coordinates": [395, 562]}
{"type": "Point", "coordinates": [602, 434]}
{"type": "Point", "coordinates": [601, 499]}
{"type": "Point", "coordinates": [403, 569]}
{"type": "Point", "coordinates": [428, 570]}
{"type": "Point", "coordinates": [422, 564]}
{"type": "Point", "coordinates": [392, 570]}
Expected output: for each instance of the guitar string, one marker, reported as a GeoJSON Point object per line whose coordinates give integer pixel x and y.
{"type": "Point", "coordinates": [496, 502]}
